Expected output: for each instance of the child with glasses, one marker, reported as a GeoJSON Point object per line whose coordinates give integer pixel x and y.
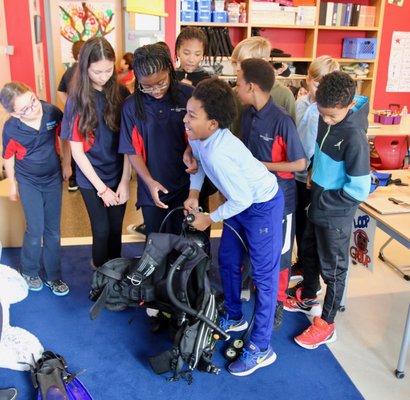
{"type": "Point", "coordinates": [30, 152]}
{"type": "Point", "coordinates": [153, 136]}
{"type": "Point", "coordinates": [91, 123]}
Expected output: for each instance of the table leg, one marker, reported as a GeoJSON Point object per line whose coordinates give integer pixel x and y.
{"type": "Point", "coordinates": [404, 347]}
{"type": "Point", "coordinates": [390, 263]}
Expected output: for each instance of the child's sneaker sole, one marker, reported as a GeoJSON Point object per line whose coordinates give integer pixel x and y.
{"type": "Point", "coordinates": [36, 289]}
{"type": "Point", "coordinates": [270, 360]}
{"type": "Point", "coordinates": [315, 311]}
{"type": "Point", "coordinates": [239, 328]}
{"type": "Point", "coordinates": [332, 339]}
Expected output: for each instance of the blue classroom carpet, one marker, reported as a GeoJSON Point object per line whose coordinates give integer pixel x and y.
{"type": "Point", "coordinates": [114, 349]}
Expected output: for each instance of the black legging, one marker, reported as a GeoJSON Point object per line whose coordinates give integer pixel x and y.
{"type": "Point", "coordinates": [106, 226]}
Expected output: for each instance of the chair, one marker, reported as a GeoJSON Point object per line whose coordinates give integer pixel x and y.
{"type": "Point", "coordinates": [391, 151]}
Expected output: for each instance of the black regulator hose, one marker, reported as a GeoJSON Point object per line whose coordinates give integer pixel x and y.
{"type": "Point", "coordinates": [187, 253]}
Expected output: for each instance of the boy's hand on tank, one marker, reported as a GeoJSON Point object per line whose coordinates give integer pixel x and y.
{"type": "Point", "coordinates": [202, 221]}
{"type": "Point", "coordinates": [154, 188]}
{"type": "Point", "coordinates": [191, 204]}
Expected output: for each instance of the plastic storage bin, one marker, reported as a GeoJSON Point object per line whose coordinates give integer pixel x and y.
{"type": "Point", "coordinates": [203, 16]}
{"type": "Point", "coordinates": [219, 16]}
{"type": "Point", "coordinates": [188, 16]}
{"type": "Point", "coordinates": [188, 5]}
{"type": "Point", "coordinates": [361, 48]}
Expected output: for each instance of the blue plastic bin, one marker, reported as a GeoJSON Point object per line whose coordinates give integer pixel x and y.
{"type": "Point", "coordinates": [188, 16]}
{"type": "Point", "coordinates": [188, 5]}
{"type": "Point", "coordinates": [219, 16]}
{"type": "Point", "coordinates": [361, 48]}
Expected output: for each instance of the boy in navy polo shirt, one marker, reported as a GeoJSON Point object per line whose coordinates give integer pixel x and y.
{"type": "Point", "coordinates": [253, 207]}
{"type": "Point", "coordinates": [271, 136]}
{"type": "Point", "coordinates": [30, 145]}
{"type": "Point", "coordinates": [153, 136]}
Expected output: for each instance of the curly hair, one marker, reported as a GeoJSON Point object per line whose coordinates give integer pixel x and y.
{"type": "Point", "coordinates": [217, 99]}
{"type": "Point", "coordinates": [336, 90]}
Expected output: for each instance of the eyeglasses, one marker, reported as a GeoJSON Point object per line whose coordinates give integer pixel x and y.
{"type": "Point", "coordinates": [29, 108]}
{"type": "Point", "coordinates": [152, 89]}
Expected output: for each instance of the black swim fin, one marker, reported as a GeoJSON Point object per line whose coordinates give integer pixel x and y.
{"type": "Point", "coordinates": [54, 382]}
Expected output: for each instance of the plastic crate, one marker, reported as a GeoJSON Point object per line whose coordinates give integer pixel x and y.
{"type": "Point", "coordinates": [361, 48]}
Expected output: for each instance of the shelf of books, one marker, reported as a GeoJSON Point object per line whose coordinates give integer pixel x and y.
{"type": "Point", "coordinates": [348, 30]}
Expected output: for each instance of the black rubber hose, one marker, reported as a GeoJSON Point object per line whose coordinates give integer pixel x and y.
{"type": "Point", "coordinates": [187, 253]}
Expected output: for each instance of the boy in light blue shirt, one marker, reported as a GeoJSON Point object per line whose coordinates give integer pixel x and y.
{"type": "Point", "coordinates": [253, 207]}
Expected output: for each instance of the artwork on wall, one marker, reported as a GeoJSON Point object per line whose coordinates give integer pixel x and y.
{"type": "Point", "coordinates": [80, 20]}
{"type": "Point", "coordinates": [398, 78]}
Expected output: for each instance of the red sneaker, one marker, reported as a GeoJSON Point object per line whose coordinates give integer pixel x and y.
{"type": "Point", "coordinates": [320, 332]}
{"type": "Point", "coordinates": [307, 306]}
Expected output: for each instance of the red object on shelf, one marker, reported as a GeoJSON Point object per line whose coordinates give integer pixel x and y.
{"type": "Point", "coordinates": [391, 151]}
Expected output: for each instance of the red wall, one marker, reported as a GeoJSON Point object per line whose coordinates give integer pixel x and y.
{"type": "Point", "coordinates": [19, 35]}
{"type": "Point", "coordinates": [170, 24]}
{"type": "Point", "coordinates": [395, 19]}
{"type": "Point", "coordinates": [45, 51]}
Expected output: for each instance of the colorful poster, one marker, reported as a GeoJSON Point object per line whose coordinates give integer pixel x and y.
{"type": "Point", "coordinates": [398, 78]}
{"type": "Point", "coordinates": [362, 240]}
{"type": "Point", "coordinates": [80, 20]}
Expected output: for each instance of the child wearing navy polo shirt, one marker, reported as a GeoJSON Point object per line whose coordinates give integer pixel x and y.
{"type": "Point", "coordinates": [270, 134]}
{"type": "Point", "coordinates": [253, 207]}
{"type": "Point", "coordinates": [153, 136]}
{"type": "Point", "coordinates": [30, 152]}
{"type": "Point", "coordinates": [91, 123]}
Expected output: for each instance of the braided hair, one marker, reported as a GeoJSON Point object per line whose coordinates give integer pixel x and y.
{"type": "Point", "coordinates": [148, 60]}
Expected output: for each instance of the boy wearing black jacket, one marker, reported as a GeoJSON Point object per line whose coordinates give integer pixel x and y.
{"type": "Point", "coordinates": [340, 181]}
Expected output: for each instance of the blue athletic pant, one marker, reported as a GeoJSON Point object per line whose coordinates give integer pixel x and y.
{"type": "Point", "coordinates": [260, 226]}
{"type": "Point", "coordinates": [42, 211]}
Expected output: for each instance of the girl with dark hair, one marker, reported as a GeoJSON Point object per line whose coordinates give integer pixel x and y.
{"type": "Point", "coordinates": [33, 167]}
{"type": "Point", "coordinates": [153, 136]}
{"type": "Point", "coordinates": [190, 48]}
{"type": "Point", "coordinates": [91, 123]}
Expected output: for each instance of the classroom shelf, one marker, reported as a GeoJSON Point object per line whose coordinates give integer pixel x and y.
{"type": "Point", "coordinates": [306, 42]}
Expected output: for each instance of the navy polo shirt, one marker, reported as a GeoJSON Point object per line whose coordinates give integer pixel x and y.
{"type": "Point", "coordinates": [161, 141]}
{"type": "Point", "coordinates": [36, 151]}
{"type": "Point", "coordinates": [271, 136]}
{"type": "Point", "coordinates": [101, 145]}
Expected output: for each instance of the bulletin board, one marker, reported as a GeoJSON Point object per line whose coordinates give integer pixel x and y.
{"type": "Point", "coordinates": [398, 79]}
{"type": "Point", "coordinates": [81, 20]}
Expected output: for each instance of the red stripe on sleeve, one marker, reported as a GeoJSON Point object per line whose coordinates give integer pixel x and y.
{"type": "Point", "coordinates": [57, 141]}
{"type": "Point", "coordinates": [76, 136]}
{"type": "Point", "coordinates": [138, 143]}
{"type": "Point", "coordinates": [14, 148]}
{"type": "Point", "coordinates": [279, 154]}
